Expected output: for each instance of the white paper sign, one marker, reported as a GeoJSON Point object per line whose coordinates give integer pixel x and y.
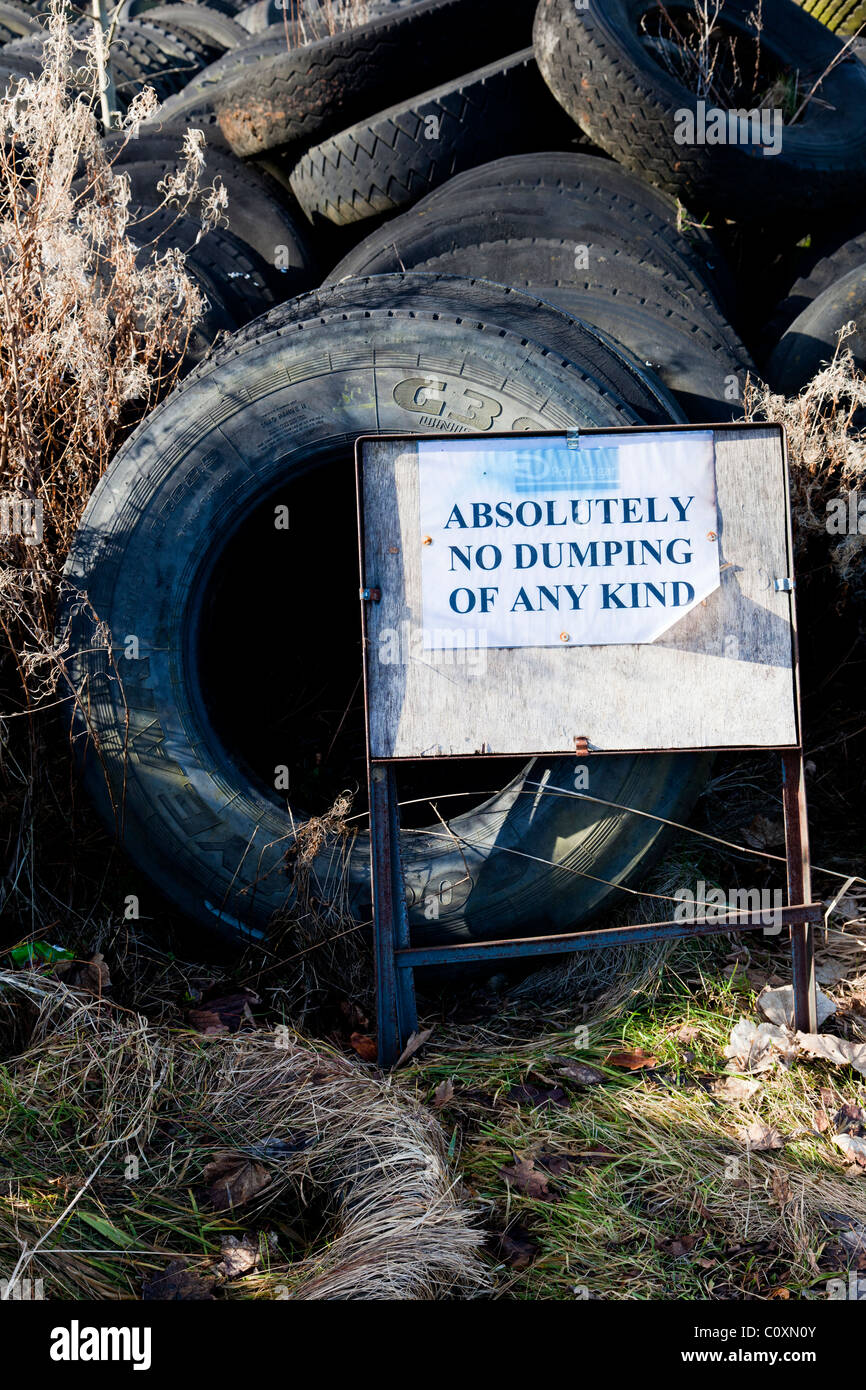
{"type": "Point", "coordinates": [604, 540]}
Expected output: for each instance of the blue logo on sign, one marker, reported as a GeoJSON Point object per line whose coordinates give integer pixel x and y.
{"type": "Point", "coordinates": [566, 470]}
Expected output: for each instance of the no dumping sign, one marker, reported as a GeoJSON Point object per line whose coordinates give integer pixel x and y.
{"type": "Point", "coordinates": [598, 541]}
{"type": "Point", "coordinates": [617, 590]}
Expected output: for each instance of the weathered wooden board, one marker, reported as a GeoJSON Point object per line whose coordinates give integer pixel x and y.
{"type": "Point", "coordinates": [721, 677]}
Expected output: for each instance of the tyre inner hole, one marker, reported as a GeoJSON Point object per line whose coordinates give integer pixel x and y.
{"type": "Point", "coordinates": [729, 67]}
{"type": "Point", "coordinates": [279, 659]}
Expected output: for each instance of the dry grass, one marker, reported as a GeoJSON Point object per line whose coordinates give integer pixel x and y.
{"type": "Point", "coordinates": [826, 431]}
{"type": "Point", "coordinates": [308, 20]}
{"type": "Point", "coordinates": [642, 1185]}
{"type": "Point", "coordinates": [93, 328]}
{"type": "Point", "coordinates": [341, 1187]}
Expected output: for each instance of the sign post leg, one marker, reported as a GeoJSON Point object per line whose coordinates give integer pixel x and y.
{"type": "Point", "coordinates": [799, 890]}
{"type": "Point", "coordinates": [396, 1016]}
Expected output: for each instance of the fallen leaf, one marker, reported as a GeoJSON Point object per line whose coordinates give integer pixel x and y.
{"type": "Point", "coordinates": [526, 1178]}
{"type": "Point", "coordinates": [822, 1124]}
{"type": "Point", "coordinates": [831, 971]}
{"type": "Point", "coordinates": [365, 1046]}
{"type": "Point", "coordinates": [536, 1096]}
{"type": "Point", "coordinates": [356, 1020]}
{"type": "Point", "coordinates": [734, 1088]}
{"type": "Point", "coordinates": [443, 1094]}
{"type": "Point", "coordinates": [678, 1246]}
{"type": "Point", "coordinates": [781, 1189]}
{"type": "Point", "coordinates": [757, 979]}
{"type": "Point", "coordinates": [755, 1047]}
{"type": "Point", "coordinates": [239, 1257]}
{"type": "Point", "coordinates": [849, 1119]}
{"type": "Point", "coordinates": [177, 1282]}
{"type": "Point", "coordinates": [777, 1005]}
{"type": "Point", "coordinates": [233, 1178]}
{"type": "Point", "coordinates": [832, 1049]}
{"type": "Point", "coordinates": [688, 1033]}
{"type": "Point", "coordinates": [761, 1138]}
{"type": "Point", "coordinates": [89, 975]}
{"type": "Point", "coordinates": [839, 1220]}
{"type": "Point", "coordinates": [854, 1240]}
{"type": "Point", "coordinates": [764, 833]}
{"type": "Point", "coordinates": [416, 1041]}
{"type": "Point", "coordinates": [581, 1073]}
{"type": "Point", "coordinates": [635, 1060]}
{"type": "Point", "coordinates": [224, 1015]}
{"type": "Point", "coordinates": [853, 1148]}
{"type": "Point", "coordinates": [516, 1247]}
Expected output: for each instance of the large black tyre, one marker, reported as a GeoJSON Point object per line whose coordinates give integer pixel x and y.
{"type": "Point", "coordinates": [705, 372]}
{"type": "Point", "coordinates": [604, 72]}
{"type": "Point", "coordinates": [403, 153]}
{"type": "Point", "coordinates": [219, 32]}
{"type": "Point", "coordinates": [257, 210]}
{"type": "Point", "coordinates": [812, 338]}
{"type": "Point", "coordinates": [596, 200]}
{"type": "Point", "coordinates": [590, 351]}
{"type": "Point", "coordinates": [141, 55]}
{"type": "Point", "coordinates": [591, 178]}
{"type": "Point", "coordinates": [16, 22]}
{"type": "Point", "coordinates": [298, 97]}
{"type": "Point", "coordinates": [231, 437]}
{"type": "Point", "coordinates": [819, 268]}
{"type": "Point", "coordinates": [149, 55]}
{"type": "Point", "coordinates": [237, 284]}
{"type": "Point", "coordinates": [632, 276]}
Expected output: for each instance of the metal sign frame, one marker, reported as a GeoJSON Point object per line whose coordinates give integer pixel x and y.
{"type": "Point", "coordinates": [396, 958]}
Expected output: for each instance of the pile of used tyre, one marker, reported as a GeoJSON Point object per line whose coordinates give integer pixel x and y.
{"type": "Point", "coordinates": [519, 222]}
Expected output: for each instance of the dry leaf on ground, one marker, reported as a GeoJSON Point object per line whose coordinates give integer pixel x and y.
{"type": "Point", "coordinates": [764, 833]}
{"type": "Point", "coordinates": [233, 1178]}
{"type": "Point", "coordinates": [581, 1073]}
{"type": "Point", "coordinates": [444, 1093]}
{"type": "Point", "coordinates": [761, 1138]}
{"type": "Point", "coordinates": [416, 1041]}
{"type": "Point", "coordinates": [526, 1178]}
{"type": "Point", "coordinates": [734, 1088]}
{"type": "Point", "coordinates": [777, 1006]}
{"type": "Point", "coordinates": [634, 1060]}
{"type": "Point", "coordinates": [831, 1049]}
{"type": "Point", "coordinates": [853, 1148]}
{"type": "Point", "coordinates": [535, 1096]}
{"type": "Point", "coordinates": [239, 1257]}
{"type": "Point", "coordinates": [90, 975]}
{"type": "Point", "coordinates": [224, 1015]}
{"type": "Point", "coordinates": [365, 1046]}
{"type": "Point", "coordinates": [177, 1283]}
{"type": "Point", "coordinates": [755, 1047]}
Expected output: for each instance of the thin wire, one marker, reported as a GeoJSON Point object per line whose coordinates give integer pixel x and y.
{"type": "Point", "coordinates": [566, 868]}
{"type": "Point", "coordinates": [619, 806]}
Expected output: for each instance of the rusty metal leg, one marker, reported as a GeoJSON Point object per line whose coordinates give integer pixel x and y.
{"type": "Point", "coordinates": [395, 991]}
{"type": "Point", "coordinates": [799, 890]}
{"type": "Point", "coordinates": [407, 1013]}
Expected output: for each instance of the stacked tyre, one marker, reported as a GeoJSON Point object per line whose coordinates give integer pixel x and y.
{"type": "Point", "coordinates": [824, 310]}
{"type": "Point", "coordinates": [521, 245]}
{"type": "Point", "coordinates": [269, 424]}
{"type": "Point", "coordinates": [580, 232]}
